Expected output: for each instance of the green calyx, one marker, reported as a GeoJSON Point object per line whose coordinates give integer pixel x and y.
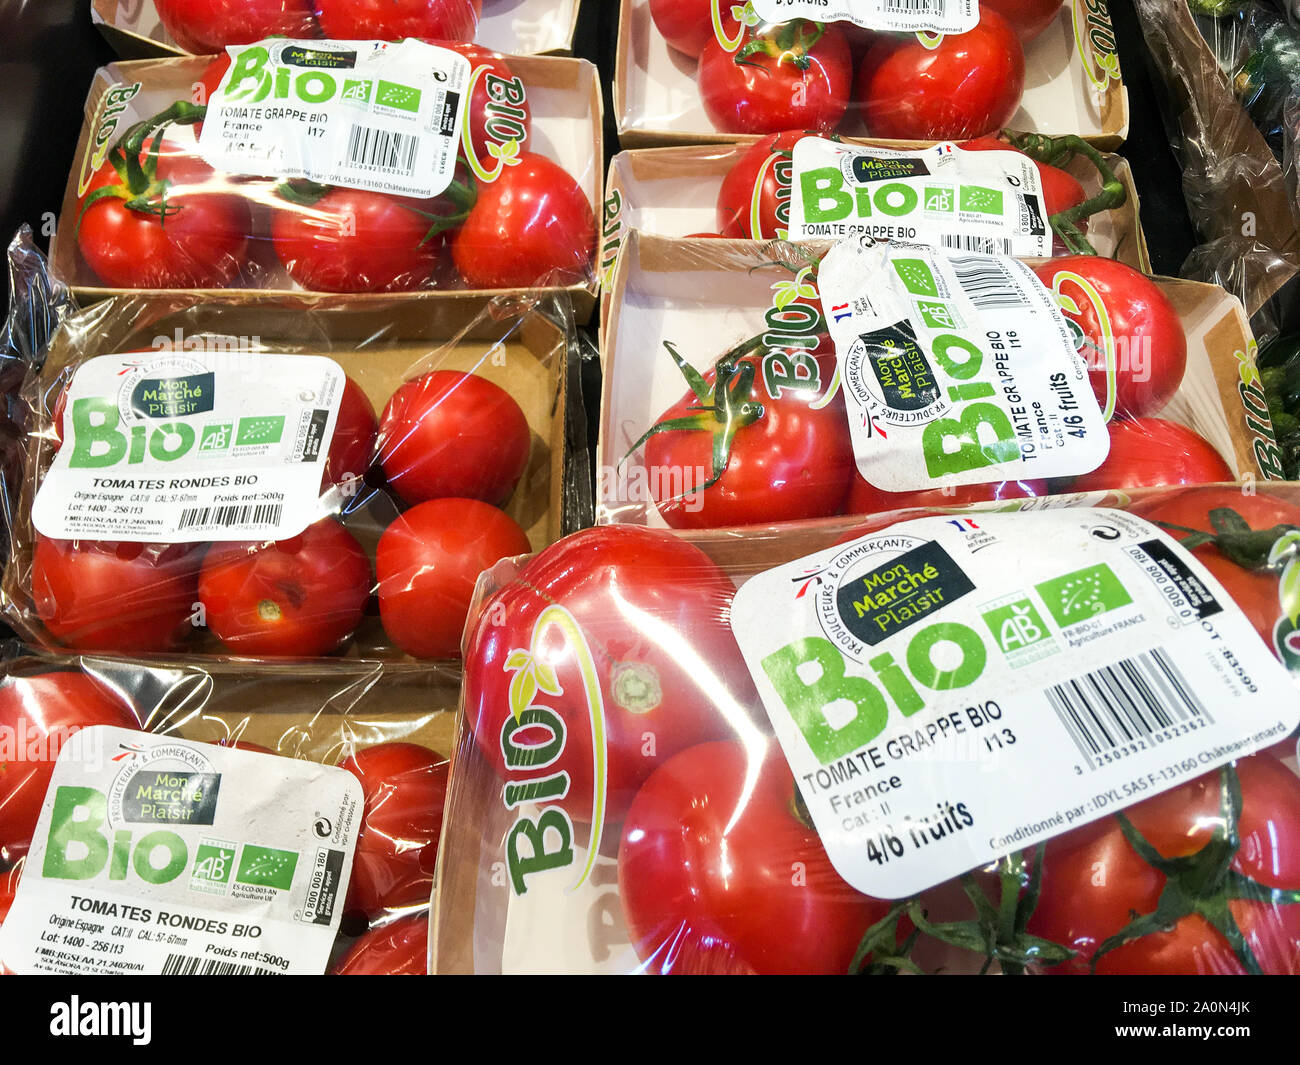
{"type": "Point", "coordinates": [1058, 151]}
{"type": "Point", "coordinates": [135, 159]}
{"type": "Point", "coordinates": [1203, 883]}
{"type": "Point", "coordinates": [1233, 536]}
{"type": "Point", "coordinates": [723, 409]}
{"type": "Point", "coordinates": [788, 42]}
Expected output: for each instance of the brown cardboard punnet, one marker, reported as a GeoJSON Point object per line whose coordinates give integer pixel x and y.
{"type": "Point", "coordinates": [521, 348]}
{"type": "Point", "coordinates": [525, 27]}
{"type": "Point", "coordinates": [564, 95]}
{"type": "Point", "coordinates": [1072, 83]}
{"type": "Point", "coordinates": [707, 295]}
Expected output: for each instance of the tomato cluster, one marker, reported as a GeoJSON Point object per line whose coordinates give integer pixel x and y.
{"type": "Point", "coordinates": [155, 215]}
{"type": "Point", "coordinates": [766, 77]}
{"type": "Point", "coordinates": [451, 445]}
{"type": "Point", "coordinates": [207, 26]}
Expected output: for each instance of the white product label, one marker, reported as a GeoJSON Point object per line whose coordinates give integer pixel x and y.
{"type": "Point", "coordinates": [951, 690]}
{"type": "Point", "coordinates": [157, 856]}
{"type": "Point", "coordinates": [896, 16]}
{"type": "Point", "coordinates": [361, 114]}
{"type": "Point", "coordinates": [189, 447]}
{"type": "Point", "coordinates": [990, 202]}
{"type": "Point", "coordinates": [957, 369]}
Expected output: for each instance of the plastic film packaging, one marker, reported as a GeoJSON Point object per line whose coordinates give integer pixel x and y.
{"type": "Point", "coordinates": [769, 402]}
{"type": "Point", "coordinates": [401, 175]}
{"type": "Point", "coordinates": [136, 31]}
{"type": "Point", "coordinates": [392, 732]}
{"type": "Point", "coordinates": [207, 479]}
{"type": "Point", "coordinates": [650, 776]}
{"type": "Point", "coordinates": [721, 79]}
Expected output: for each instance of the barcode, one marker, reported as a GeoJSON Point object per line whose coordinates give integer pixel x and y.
{"type": "Point", "coordinates": [919, 7]}
{"type": "Point", "coordinates": [987, 283]}
{"type": "Point", "coordinates": [984, 245]}
{"type": "Point", "coordinates": [223, 517]}
{"type": "Point", "coordinates": [381, 149]}
{"type": "Point", "coordinates": [1124, 705]}
{"type": "Point", "coordinates": [189, 965]}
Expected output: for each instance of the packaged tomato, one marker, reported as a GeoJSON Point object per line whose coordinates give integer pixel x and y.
{"type": "Point", "coordinates": [797, 382]}
{"type": "Point", "coordinates": [218, 480]}
{"type": "Point", "coordinates": [691, 71]}
{"type": "Point", "coordinates": [957, 716]}
{"type": "Point", "coordinates": [266, 820]}
{"type": "Point", "coordinates": [796, 185]}
{"type": "Point", "coordinates": [145, 28]}
{"type": "Point", "coordinates": [429, 166]}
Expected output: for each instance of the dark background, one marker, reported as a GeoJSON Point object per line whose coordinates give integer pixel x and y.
{"type": "Point", "coordinates": [49, 50]}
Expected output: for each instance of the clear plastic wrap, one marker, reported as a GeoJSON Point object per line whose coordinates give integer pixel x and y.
{"type": "Point", "coordinates": [620, 801]}
{"type": "Point", "coordinates": [1236, 191]}
{"type": "Point", "coordinates": [757, 407]}
{"type": "Point", "coordinates": [144, 207]}
{"type": "Point", "coordinates": [288, 417]}
{"type": "Point", "coordinates": [392, 731]}
{"type": "Point", "coordinates": [521, 27]}
{"type": "Point", "coordinates": [720, 79]}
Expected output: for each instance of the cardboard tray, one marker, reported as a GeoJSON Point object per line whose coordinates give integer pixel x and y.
{"type": "Point", "coordinates": [516, 27]}
{"type": "Point", "coordinates": [1072, 83]}
{"type": "Point", "coordinates": [566, 126]}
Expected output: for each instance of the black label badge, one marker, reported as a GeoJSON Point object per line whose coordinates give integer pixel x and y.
{"type": "Point", "coordinates": [295, 55]}
{"type": "Point", "coordinates": [900, 593]}
{"type": "Point", "coordinates": [171, 797]}
{"type": "Point", "coordinates": [904, 373]}
{"type": "Point", "coordinates": [315, 434]}
{"type": "Point", "coordinates": [1193, 589]}
{"type": "Point", "coordinates": [447, 123]}
{"type": "Point", "coordinates": [1037, 226]}
{"type": "Point", "coordinates": [174, 397]}
{"type": "Point", "coordinates": [868, 168]}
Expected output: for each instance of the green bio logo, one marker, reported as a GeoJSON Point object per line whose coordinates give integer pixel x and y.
{"type": "Point", "coordinates": [260, 430]}
{"type": "Point", "coordinates": [939, 199]}
{"type": "Point", "coordinates": [1016, 626]}
{"type": "Point", "coordinates": [1083, 594]}
{"type": "Point", "coordinates": [398, 97]}
{"type": "Point", "coordinates": [356, 91]}
{"type": "Point", "coordinates": [214, 862]}
{"type": "Point", "coordinates": [917, 277]}
{"type": "Point", "coordinates": [216, 437]}
{"type": "Point", "coordinates": [980, 200]}
{"type": "Point", "coordinates": [266, 867]}
{"type": "Point", "coordinates": [79, 846]}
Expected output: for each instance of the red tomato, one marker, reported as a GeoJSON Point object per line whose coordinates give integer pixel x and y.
{"type": "Point", "coordinates": [391, 20]}
{"type": "Point", "coordinates": [353, 240]}
{"type": "Point", "coordinates": [301, 597]}
{"type": "Point", "coordinates": [207, 26]}
{"type": "Point", "coordinates": [427, 563]}
{"type": "Point", "coordinates": [38, 715]}
{"type": "Point", "coordinates": [795, 75]}
{"type": "Point", "coordinates": [865, 498]}
{"type": "Point", "coordinates": [754, 201]}
{"type": "Point", "coordinates": [1152, 452]}
{"type": "Point", "coordinates": [498, 111]}
{"type": "Point", "coordinates": [201, 242]}
{"type": "Point", "coordinates": [1061, 190]}
{"type": "Point", "coordinates": [102, 595]}
{"type": "Point", "coordinates": [449, 433]}
{"type": "Point", "coordinates": [652, 610]}
{"type": "Point", "coordinates": [787, 462]}
{"type": "Point", "coordinates": [533, 225]}
{"type": "Point", "coordinates": [704, 872]}
{"type": "Point", "coordinates": [400, 948]}
{"type": "Point", "coordinates": [687, 25]}
{"type": "Point", "coordinates": [1094, 882]}
{"type": "Point", "coordinates": [1115, 308]}
{"type": "Point", "coordinates": [1027, 17]}
{"type": "Point", "coordinates": [1254, 590]}
{"type": "Point", "coordinates": [967, 86]}
{"type": "Point", "coordinates": [352, 450]}
{"type": "Point", "coordinates": [209, 83]}
{"type": "Point", "coordinates": [404, 785]}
